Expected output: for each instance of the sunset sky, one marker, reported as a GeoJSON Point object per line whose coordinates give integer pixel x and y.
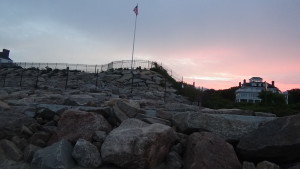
{"type": "Point", "coordinates": [216, 43]}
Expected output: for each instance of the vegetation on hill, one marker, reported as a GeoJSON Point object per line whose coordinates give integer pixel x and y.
{"type": "Point", "coordinates": [217, 99]}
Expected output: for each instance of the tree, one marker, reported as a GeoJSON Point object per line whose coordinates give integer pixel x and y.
{"type": "Point", "coordinates": [270, 98]}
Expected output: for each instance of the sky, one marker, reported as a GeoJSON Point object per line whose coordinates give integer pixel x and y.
{"type": "Point", "coordinates": [214, 43]}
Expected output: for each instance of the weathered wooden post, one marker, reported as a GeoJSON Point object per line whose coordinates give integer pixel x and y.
{"type": "Point", "coordinates": [67, 78]}
{"type": "Point", "coordinates": [37, 78]}
{"type": "Point", "coordinates": [4, 79]}
{"type": "Point", "coordinates": [97, 78]}
{"type": "Point", "coordinates": [21, 77]}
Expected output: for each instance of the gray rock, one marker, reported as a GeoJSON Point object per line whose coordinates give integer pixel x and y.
{"type": "Point", "coordinates": [86, 154]}
{"type": "Point", "coordinates": [174, 161]}
{"type": "Point", "coordinates": [208, 151]}
{"type": "Point", "coordinates": [230, 127]}
{"type": "Point", "coordinates": [248, 165]}
{"type": "Point", "coordinates": [180, 107]}
{"type": "Point", "coordinates": [100, 136]}
{"type": "Point", "coordinates": [9, 164]}
{"type": "Point", "coordinates": [227, 111]}
{"type": "Point", "coordinates": [4, 105]}
{"type": "Point", "coordinates": [58, 155]}
{"type": "Point", "coordinates": [11, 122]}
{"type": "Point", "coordinates": [136, 144]}
{"type": "Point", "coordinates": [276, 140]}
{"type": "Point", "coordinates": [10, 150]}
{"type": "Point", "coordinates": [267, 165]}
{"type": "Point", "coordinates": [75, 124]}
{"type": "Point", "coordinates": [20, 142]}
{"type": "Point", "coordinates": [29, 152]}
{"type": "Point", "coordinates": [264, 114]}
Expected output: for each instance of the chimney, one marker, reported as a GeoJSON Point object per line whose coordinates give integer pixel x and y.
{"type": "Point", "coordinates": [194, 84]}
{"type": "Point", "coordinates": [5, 53]}
{"type": "Point", "coordinates": [273, 83]}
{"type": "Point", "coordinates": [244, 81]}
{"type": "Point", "coordinates": [240, 84]}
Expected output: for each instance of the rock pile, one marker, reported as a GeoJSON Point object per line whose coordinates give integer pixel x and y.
{"type": "Point", "coordinates": [112, 126]}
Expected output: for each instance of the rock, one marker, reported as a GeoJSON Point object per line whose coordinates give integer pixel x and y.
{"type": "Point", "coordinates": [293, 166]}
{"type": "Point", "coordinates": [248, 165]}
{"type": "Point", "coordinates": [20, 142]}
{"type": "Point", "coordinates": [178, 148]}
{"type": "Point", "coordinates": [131, 109]}
{"type": "Point", "coordinates": [4, 105]}
{"type": "Point", "coordinates": [174, 161]}
{"type": "Point", "coordinates": [230, 127]}
{"type": "Point", "coordinates": [208, 151]}
{"type": "Point", "coordinates": [136, 144]}
{"type": "Point", "coordinates": [26, 131]}
{"type": "Point", "coordinates": [152, 120]}
{"type": "Point", "coordinates": [75, 124]}
{"type": "Point", "coordinates": [267, 165]}
{"type": "Point", "coordinates": [180, 107]}
{"type": "Point", "coordinates": [276, 140]}
{"type": "Point", "coordinates": [99, 136]}
{"type": "Point", "coordinates": [264, 114]}
{"type": "Point", "coordinates": [119, 114]}
{"type": "Point", "coordinates": [39, 138]}
{"type": "Point", "coordinates": [46, 114]}
{"type": "Point", "coordinates": [9, 164]}
{"type": "Point", "coordinates": [86, 154]}
{"type": "Point", "coordinates": [58, 155]}
{"type": "Point", "coordinates": [227, 111]}
{"type": "Point", "coordinates": [167, 115]}
{"type": "Point", "coordinates": [29, 152]}
{"type": "Point", "coordinates": [10, 150]}
{"type": "Point", "coordinates": [30, 113]}
{"type": "Point", "coordinates": [11, 123]}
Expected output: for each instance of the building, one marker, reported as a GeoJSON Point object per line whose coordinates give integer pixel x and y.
{"type": "Point", "coordinates": [248, 92]}
{"type": "Point", "coordinates": [4, 56]}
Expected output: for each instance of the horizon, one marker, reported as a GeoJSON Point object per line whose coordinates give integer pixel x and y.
{"type": "Point", "coordinates": [213, 43]}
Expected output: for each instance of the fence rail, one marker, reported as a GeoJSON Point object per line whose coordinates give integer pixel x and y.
{"type": "Point", "coordinates": [124, 64]}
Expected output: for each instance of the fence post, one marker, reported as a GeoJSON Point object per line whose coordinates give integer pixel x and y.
{"type": "Point", "coordinates": [165, 90]}
{"type": "Point", "coordinates": [37, 78]}
{"type": "Point", "coordinates": [4, 79]}
{"type": "Point", "coordinates": [101, 67]}
{"type": "Point", "coordinates": [67, 78]}
{"type": "Point", "coordinates": [96, 69]}
{"type": "Point", "coordinates": [132, 81]}
{"type": "Point", "coordinates": [97, 78]}
{"type": "Point", "coordinates": [21, 77]}
{"type": "Point", "coordinates": [85, 68]}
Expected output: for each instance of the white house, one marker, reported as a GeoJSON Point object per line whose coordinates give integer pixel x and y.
{"type": "Point", "coordinates": [248, 92]}
{"type": "Point", "coordinates": [4, 56]}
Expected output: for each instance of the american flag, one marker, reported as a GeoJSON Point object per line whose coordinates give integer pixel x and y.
{"type": "Point", "coordinates": [135, 10]}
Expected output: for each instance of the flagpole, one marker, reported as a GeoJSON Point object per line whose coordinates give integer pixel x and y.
{"type": "Point", "coordinates": [136, 14]}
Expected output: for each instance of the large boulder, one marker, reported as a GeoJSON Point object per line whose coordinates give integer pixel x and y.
{"type": "Point", "coordinates": [75, 124]}
{"type": "Point", "coordinates": [86, 154]}
{"type": "Point", "coordinates": [58, 155]}
{"type": "Point", "coordinates": [277, 141]}
{"type": "Point", "coordinates": [230, 127]}
{"type": "Point", "coordinates": [136, 144]}
{"type": "Point", "coordinates": [11, 122]}
{"type": "Point", "coordinates": [207, 151]}
{"type": "Point", "coordinates": [10, 164]}
{"type": "Point", "coordinates": [10, 151]}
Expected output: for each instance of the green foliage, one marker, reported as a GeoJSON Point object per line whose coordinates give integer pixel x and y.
{"type": "Point", "coordinates": [294, 96]}
{"type": "Point", "coordinates": [218, 99]}
{"type": "Point", "coordinates": [270, 98]}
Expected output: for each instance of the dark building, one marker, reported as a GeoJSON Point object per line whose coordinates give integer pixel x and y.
{"type": "Point", "coordinates": [4, 56]}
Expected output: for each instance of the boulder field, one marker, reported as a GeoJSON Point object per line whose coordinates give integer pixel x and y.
{"type": "Point", "coordinates": [100, 121]}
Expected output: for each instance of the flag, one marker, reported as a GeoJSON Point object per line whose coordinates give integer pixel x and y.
{"type": "Point", "coordinates": [136, 10]}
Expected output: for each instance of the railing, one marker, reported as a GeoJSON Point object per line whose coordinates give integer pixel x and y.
{"type": "Point", "coordinates": [123, 64]}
